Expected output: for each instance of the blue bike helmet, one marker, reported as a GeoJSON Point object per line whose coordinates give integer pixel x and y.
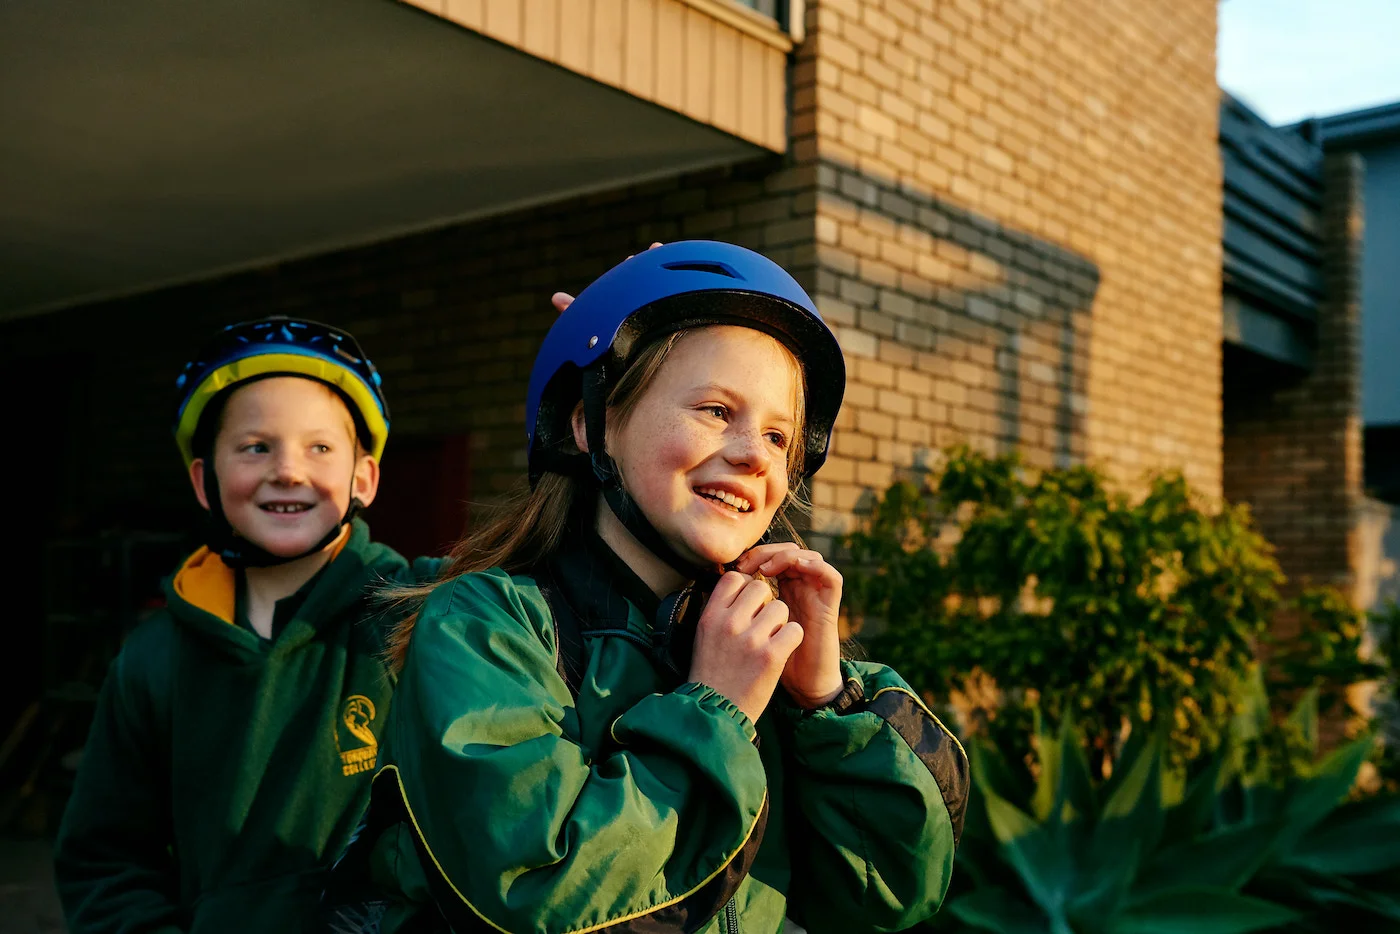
{"type": "Point", "coordinates": [687, 284]}
{"type": "Point", "coordinates": [268, 347]}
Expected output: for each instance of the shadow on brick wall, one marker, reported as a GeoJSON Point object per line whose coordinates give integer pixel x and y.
{"type": "Point", "coordinates": [997, 317]}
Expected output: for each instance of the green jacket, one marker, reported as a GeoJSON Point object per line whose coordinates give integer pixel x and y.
{"type": "Point", "coordinates": [647, 804]}
{"type": "Point", "coordinates": [223, 772]}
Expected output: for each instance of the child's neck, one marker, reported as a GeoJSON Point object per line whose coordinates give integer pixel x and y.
{"type": "Point", "coordinates": [265, 586]}
{"type": "Point", "coordinates": [655, 573]}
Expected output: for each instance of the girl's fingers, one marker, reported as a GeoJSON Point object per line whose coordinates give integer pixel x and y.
{"type": "Point", "coordinates": [784, 560]}
{"type": "Point", "coordinates": [788, 637]}
{"type": "Point", "coordinates": [728, 587]}
{"type": "Point", "coordinates": [774, 616]}
{"type": "Point", "coordinates": [807, 564]}
{"type": "Point", "coordinates": [750, 599]}
{"type": "Point", "coordinates": [750, 560]}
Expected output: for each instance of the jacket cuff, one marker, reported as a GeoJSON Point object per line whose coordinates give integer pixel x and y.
{"type": "Point", "coordinates": [850, 700]}
{"type": "Point", "coordinates": [707, 698]}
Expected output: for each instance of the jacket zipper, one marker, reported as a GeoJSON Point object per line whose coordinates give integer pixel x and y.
{"type": "Point", "coordinates": [731, 917]}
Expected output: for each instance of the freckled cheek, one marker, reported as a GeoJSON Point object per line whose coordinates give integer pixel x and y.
{"type": "Point", "coordinates": [236, 485]}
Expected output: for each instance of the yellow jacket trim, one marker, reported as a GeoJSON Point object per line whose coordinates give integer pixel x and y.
{"type": "Point", "coordinates": [924, 707]}
{"type": "Point", "coordinates": [595, 927]}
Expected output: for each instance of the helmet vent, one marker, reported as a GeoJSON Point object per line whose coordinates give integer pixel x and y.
{"type": "Point", "coordinates": [718, 269]}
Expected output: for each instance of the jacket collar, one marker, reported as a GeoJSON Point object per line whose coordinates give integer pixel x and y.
{"type": "Point", "coordinates": [598, 585]}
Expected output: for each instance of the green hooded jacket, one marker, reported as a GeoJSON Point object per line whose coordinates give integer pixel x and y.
{"type": "Point", "coordinates": [646, 804]}
{"type": "Point", "coordinates": [223, 771]}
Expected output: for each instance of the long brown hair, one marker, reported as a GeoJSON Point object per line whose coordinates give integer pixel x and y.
{"type": "Point", "coordinates": [528, 524]}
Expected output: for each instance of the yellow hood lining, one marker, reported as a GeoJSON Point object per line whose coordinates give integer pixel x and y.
{"type": "Point", "coordinates": [205, 582]}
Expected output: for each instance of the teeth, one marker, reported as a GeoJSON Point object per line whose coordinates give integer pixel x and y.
{"type": "Point", "coordinates": [286, 507]}
{"type": "Point", "coordinates": [729, 499]}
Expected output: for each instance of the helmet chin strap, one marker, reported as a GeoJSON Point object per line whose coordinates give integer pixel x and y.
{"type": "Point", "coordinates": [237, 552]}
{"type": "Point", "coordinates": [623, 506]}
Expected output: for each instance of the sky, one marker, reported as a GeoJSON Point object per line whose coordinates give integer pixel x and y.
{"type": "Point", "coordinates": [1291, 59]}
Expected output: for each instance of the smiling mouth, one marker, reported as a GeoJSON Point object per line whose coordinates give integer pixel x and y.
{"type": "Point", "coordinates": [285, 507]}
{"type": "Point", "coordinates": [736, 503]}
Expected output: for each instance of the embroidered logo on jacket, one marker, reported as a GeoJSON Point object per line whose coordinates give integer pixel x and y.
{"type": "Point", "coordinates": [359, 750]}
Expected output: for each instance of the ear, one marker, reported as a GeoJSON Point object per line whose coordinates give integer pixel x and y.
{"type": "Point", "coordinates": [365, 485]}
{"type": "Point", "coordinates": [580, 426]}
{"type": "Point", "coordinates": [197, 481]}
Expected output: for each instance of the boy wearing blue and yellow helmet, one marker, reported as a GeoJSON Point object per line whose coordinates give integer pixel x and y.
{"type": "Point", "coordinates": [230, 755]}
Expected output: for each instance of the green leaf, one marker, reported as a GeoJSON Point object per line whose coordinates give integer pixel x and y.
{"type": "Point", "coordinates": [1133, 813]}
{"type": "Point", "coordinates": [1201, 910]}
{"type": "Point", "coordinates": [1358, 839]}
{"type": "Point", "coordinates": [1047, 785]}
{"type": "Point", "coordinates": [996, 909]}
{"type": "Point", "coordinates": [1310, 800]}
{"type": "Point", "coordinates": [1076, 785]}
{"type": "Point", "coordinates": [1101, 892]}
{"type": "Point", "coordinates": [1303, 718]}
{"type": "Point", "coordinates": [1138, 740]}
{"type": "Point", "coordinates": [991, 772]}
{"type": "Point", "coordinates": [1174, 783]}
{"type": "Point", "coordinates": [1034, 852]}
{"type": "Point", "coordinates": [1324, 893]}
{"type": "Point", "coordinates": [1193, 814]}
{"type": "Point", "coordinates": [1064, 790]}
{"type": "Point", "coordinates": [1227, 859]}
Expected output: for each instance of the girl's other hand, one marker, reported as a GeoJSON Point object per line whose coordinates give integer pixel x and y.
{"type": "Point", "coordinates": [562, 300]}
{"type": "Point", "coordinates": [812, 590]}
{"type": "Point", "coordinates": [743, 641]}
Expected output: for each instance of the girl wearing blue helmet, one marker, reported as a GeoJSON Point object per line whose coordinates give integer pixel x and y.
{"type": "Point", "coordinates": [625, 707]}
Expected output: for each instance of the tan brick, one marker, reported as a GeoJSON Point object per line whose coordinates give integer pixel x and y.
{"type": "Point", "coordinates": [874, 373]}
{"type": "Point", "coordinates": [895, 403]}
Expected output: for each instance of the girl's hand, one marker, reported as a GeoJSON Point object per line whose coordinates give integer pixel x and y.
{"type": "Point", "coordinates": [742, 641]}
{"type": "Point", "coordinates": [562, 300]}
{"type": "Point", "coordinates": [812, 590]}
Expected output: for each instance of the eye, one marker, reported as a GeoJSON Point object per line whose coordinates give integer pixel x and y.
{"type": "Point", "coordinates": [715, 409]}
{"type": "Point", "coordinates": [777, 439]}
{"type": "Point", "coordinates": [254, 447]}
{"type": "Point", "coordinates": [321, 448]}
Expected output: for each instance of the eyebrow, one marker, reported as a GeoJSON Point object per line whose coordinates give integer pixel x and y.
{"type": "Point", "coordinates": [778, 419]}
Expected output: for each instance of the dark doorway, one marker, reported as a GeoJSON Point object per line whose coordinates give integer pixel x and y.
{"type": "Point", "coordinates": [422, 507]}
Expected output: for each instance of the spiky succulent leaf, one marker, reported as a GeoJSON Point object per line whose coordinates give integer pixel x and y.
{"type": "Point", "coordinates": [1310, 800]}
{"type": "Point", "coordinates": [1035, 851]}
{"type": "Point", "coordinates": [1193, 814]}
{"type": "Point", "coordinates": [1358, 838]}
{"type": "Point", "coordinates": [1132, 814]}
{"type": "Point", "coordinates": [1201, 910]}
{"type": "Point", "coordinates": [1303, 718]}
{"type": "Point", "coordinates": [995, 909]}
{"type": "Point", "coordinates": [1225, 858]}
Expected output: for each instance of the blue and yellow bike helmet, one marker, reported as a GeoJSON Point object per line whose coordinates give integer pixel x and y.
{"type": "Point", "coordinates": [268, 347]}
{"type": "Point", "coordinates": [281, 346]}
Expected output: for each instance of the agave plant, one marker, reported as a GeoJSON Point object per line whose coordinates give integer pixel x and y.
{"type": "Point", "coordinates": [1227, 850]}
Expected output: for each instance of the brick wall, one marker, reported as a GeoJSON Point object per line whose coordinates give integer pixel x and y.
{"type": "Point", "coordinates": [1009, 211]}
{"type": "Point", "coordinates": [1018, 231]}
{"type": "Point", "coordinates": [1293, 441]}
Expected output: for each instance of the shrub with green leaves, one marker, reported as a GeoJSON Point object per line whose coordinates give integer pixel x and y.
{"type": "Point", "coordinates": [1225, 848]}
{"type": "Point", "coordinates": [1074, 600]}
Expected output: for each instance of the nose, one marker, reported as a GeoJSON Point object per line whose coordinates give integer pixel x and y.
{"type": "Point", "coordinates": [288, 469]}
{"type": "Point", "coordinates": [748, 448]}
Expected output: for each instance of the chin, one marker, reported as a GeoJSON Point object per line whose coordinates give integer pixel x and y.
{"type": "Point", "coordinates": [715, 553]}
{"type": "Point", "coordinates": [284, 545]}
